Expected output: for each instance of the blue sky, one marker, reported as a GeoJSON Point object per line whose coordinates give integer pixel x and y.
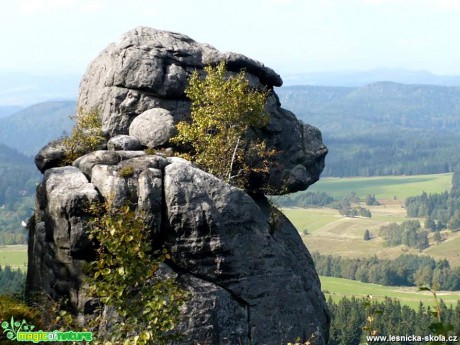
{"type": "Point", "coordinates": [291, 36]}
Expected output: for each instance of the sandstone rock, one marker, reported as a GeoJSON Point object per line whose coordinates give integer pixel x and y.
{"type": "Point", "coordinates": [263, 264]}
{"type": "Point", "coordinates": [123, 142]}
{"type": "Point", "coordinates": [153, 127]}
{"type": "Point", "coordinates": [148, 69]}
{"type": "Point", "coordinates": [50, 156]}
{"type": "Point", "coordinates": [87, 162]}
{"type": "Point", "coordinates": [57, 239]}
{"type": "Point", "coordinates": [251, 279]}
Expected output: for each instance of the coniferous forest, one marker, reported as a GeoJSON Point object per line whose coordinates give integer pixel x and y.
{"type": "Point", "coordinates": [350, 318]}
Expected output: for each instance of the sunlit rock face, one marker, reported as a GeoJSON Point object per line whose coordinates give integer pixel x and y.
{"type": "Point", "coordinates": [145, 74]}
{"type": "Point", "coordinates": [250, 277]}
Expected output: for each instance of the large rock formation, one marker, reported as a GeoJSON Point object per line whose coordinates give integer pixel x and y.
{"type": "Point", "coordinates": [252, 279]}
{"type": "Point", "coordinates": [148, 69]}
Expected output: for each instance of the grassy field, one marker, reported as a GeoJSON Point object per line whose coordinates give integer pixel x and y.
{"type": "Point", "coordinates": [14, 256]}
{"type": "Point", "coordinates": [384, 187]}
{"type": "Point", "coordinates": [331, 233]}
{"type": "Point", "coordinates": [449, 248]}
{"type": "Point", "coordinates": [337, 288]}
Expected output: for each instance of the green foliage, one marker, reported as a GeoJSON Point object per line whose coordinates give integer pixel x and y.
{"type": "Point", "coordinates": [126, 171]}
{"type": "Point", "coordinates": [350, 320]}
{"type": "Point", "coordinates": [11, 281]}
{"type": "Point", "coordinates": [439, 326]}
{"type": "Point", "coordinates": [305, 199]}
{"type": "Point", "coordinates": [409, 233]}
{"type": "Point", "coordinates": [86, 136]}
{"type": "Point", "coordinates": [12, 307]}
{"type": "Point", "coordinates": [372, 312]}
{"type": "Point", "coordinates": [18, 178]}
{"type": "Point", "coordinates": [355, 211]}
{"type": "Point", "coordinates": [371, 200]}
{"type": "Point", "coordinates": [440, 207]}
{"type": "Point", "coordinates": [127, 277]}
{"type": "Point", "coordinates": [223, 110]}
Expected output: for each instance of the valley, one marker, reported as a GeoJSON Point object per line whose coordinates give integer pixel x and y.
{"type": "Point", "coordinates": [325, 231]}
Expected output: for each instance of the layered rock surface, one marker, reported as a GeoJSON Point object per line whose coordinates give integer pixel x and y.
{"type": "Point", "coordinates": [252, 279]}
{"type": "Point", "coordinates": [139, 82]}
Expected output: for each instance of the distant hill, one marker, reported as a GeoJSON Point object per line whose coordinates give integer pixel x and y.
{"type": "Point", "coordinates": [18, 179]}
{"type": "Point", "coordinates": [382, 128]}
{"type": "Point", "coordinates": [361, 78]}
{"type": "Point", "coordinates": [8, 110]}
{"type": "Point", "coordinates": [385, 103]}
{"type": "Point", "coordinates": [31, 128]}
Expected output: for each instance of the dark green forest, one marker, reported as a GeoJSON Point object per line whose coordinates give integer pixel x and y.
{"type": "Point", "coordinates": [11, 281]}
{"type": "Point", "coordinates": [383, 128]}
{"type": "Point", "coordinates": [406, 270]}
{"type": "Point", "coordinates": [351, 315]}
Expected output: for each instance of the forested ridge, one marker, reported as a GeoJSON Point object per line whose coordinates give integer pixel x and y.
{"type": "Point", "coordinates": [29, 129]}
{"type": "Point", "coordinates": [382, 128]}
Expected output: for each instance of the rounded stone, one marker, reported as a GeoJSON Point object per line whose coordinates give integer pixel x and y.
{"type": "Point", "coordinates": [124, 142]}
{"type": "Point", "coordinates": [153, 128]}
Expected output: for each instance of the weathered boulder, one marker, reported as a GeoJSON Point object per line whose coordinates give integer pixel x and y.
{"type": "Point", "coordinates": [50, 156]}
{"type": "Point", "coordinates": [153, 128]}
{"type": "Point", "coordinates": [123, 142]}
{"type": "Point", "coordinates": [58, 245]}
{"type": "Point", "coordinates": [87, 162]}
{"type": "Point", "coordinates": [221, 235]}
{"type": "Point", "coordinates": [148, 69]}
{"type": "Point", "coordinates": [251, 278]}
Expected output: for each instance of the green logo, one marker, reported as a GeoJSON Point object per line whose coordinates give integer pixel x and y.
{"type": "Point", "coordinates": [13, 327]}
{"type": "Point", "coordinates": [22, 331]}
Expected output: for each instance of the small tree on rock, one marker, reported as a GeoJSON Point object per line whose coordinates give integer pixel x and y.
{"type": "Point", "coordinates": [223, 110]}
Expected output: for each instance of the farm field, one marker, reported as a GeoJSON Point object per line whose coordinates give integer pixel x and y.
{"type": "Point", "coordinates": [326, 231]}
{"type": "Point", "coordinates": [384, 187]}
{"type": "Point", "coordinates": [14, 256]}
{"type": "Point", "coordinates": [337, 288]}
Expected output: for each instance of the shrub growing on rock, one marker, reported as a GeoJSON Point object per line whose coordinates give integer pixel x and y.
{"type": "Point", "coordinates": [86, 136]}
{"type": "Point", "coordinates": [127, 278]}
{"type": "Point", "coordinates": [223, 110]}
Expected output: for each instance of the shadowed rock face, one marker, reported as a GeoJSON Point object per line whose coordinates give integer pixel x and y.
{"type": "Point", "coordinates": [148, 69]}
{"type": "Point", "coordinates": [250, 275]}
{"type": "Point", "coordinates": [251, 278]}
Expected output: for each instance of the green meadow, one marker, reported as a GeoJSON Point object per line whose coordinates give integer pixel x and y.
{"type": "Point", "coordinates": [384, 187]}
{"type": "Point", "coordinates": [14, 256]}
{"type": "Point", "coordinates": [326, 231]}
{"type": "Point", "coordinates": [337, 288]}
